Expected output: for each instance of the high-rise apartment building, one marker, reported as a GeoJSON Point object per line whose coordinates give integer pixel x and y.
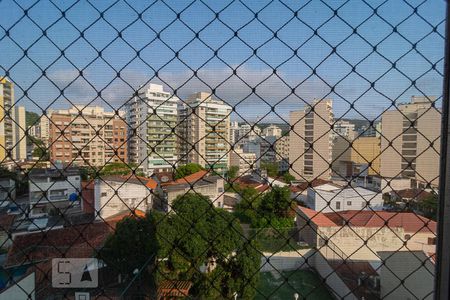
{"type": "Point", "coordinates": [360, 157]}
{"type": "Point", "coordinates": [311, 141]}
{"type": "Point", "coordinates": [152, 116]}
{"type": "Point", "coordinates": [410, 141]}
{"type": "Point", "coordinates": [272, 130]}
{"type": "Point", "coordinates": [234, 132]}
{"type": "Point", "coordinates": [204, 129]}
{"type": "Point", "coordinates": [87, 135]}
{"type": "Point", "coordinates": [12, 124]}
{"type": "Point", "coordinates": [344, 128]}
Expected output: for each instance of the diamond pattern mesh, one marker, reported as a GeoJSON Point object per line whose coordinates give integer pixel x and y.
{"type": "Point", "coordinates": [221, 149]}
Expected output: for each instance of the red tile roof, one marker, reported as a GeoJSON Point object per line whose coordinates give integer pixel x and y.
{"type": "Point", "coordinates": [6, 221]}
{"type": "Point", "coordinates": [299, 188]}
{"type": "Point", "coordinates": [76, 241]}
{"type": "Point", "coordinates": [409, 221]}
{"type": "Point", "coordinates": [189, 179]}
{"type": "Point", "coordinates": [87, 196]}
{"type": "Point", "coordinates": [317, 217]}
{"type": "Point", "coordinates": [415, 194]}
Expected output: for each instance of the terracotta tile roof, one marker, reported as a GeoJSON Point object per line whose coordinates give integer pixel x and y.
{"type": "Point", "coordinates": [149, 182]}
{"type": "Point", "coordinates": [174, 288]}
{"type": "Point", "coordinates": [409, 221]}
{"type": "Point", "coordinates": [317, 217]}
{"type": "Point", "coordinates": [415, 194]}
{"type": "Point", "coordinates": [87, 196]}
{"type": "Point", "coordinates": [76, 241]}
{"type": "Point", "coordinates": [190, 178]}
{"type": "Point", "coordinates": [6, 221]}
{"type": "Point", "coordinates": [299, 188]}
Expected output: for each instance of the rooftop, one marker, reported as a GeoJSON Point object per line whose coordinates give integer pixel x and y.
{"type": "Point", "coordinates": [148, 182]}
{"type": "Point", "coordinates": [409, 221]}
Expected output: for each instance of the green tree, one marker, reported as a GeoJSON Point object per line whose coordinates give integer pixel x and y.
{"type": "Point", "coordinates": [197, 235]}
{"type": "Point", "coordinates": [233, 172]}
{"type": "Point", "coordinates": [271, 168]}
{"type": "Point", "coordinates": [429, 207]}
{"type": "Point", "coordinates": [277, 203]}
{"type": "Point", "coordinates": [288, 178]}
{"type": "Point", "coordinates": [119, 168]}
{"type": "Point", "coordinates": [131, 246]}
{"type": "Point", "coordinates": [188, 169]}
{"type": "Point", "coordinates": [39, 151]}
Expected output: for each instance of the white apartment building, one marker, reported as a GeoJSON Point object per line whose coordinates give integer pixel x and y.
{"type": "Point", "coordinates": [12, 124]}
{"type": "Point", "coordinates": [410, 144]}
{"type": "Point", "coordinates": [329, 197]}
{"type": "Point", "coordinates": [311, 141]}
{"type": "Point", "coordinates": [345, 129]}
{"type": "Point", "coordinates": [245, 161]}
{"type": "Point", "coordinates": [151, 116]}
{"type": "Point", "coordinates": [204, 128]}
{"type": "Point", "coordinates": [114, 194]}
{"type": "Point", "coordinates": [248, 132]}
{"type": "Point", "coordinates": [53, 189]}
{"type": "Point", "coordinates": [272, 130]}
{"type": "Point", "coordinates": [234, 132]}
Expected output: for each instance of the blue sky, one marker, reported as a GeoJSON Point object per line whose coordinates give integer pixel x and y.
{"type": "Point", "coordinates": [295, 52]}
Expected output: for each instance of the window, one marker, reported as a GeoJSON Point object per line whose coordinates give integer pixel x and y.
{"type": "Point", "coordinates": [338, 205]}
{"type": "Point", "coordinates": [349, 203]}
{"type": "Point", "coordinates": [104, 194]}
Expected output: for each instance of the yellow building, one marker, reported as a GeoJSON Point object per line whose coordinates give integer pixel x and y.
{"type": "Point", "coordinates": [367, 150]}
{"type": "Point", "coordinates": [12, 124]}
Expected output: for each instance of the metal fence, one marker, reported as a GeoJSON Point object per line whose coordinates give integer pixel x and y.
{"type": "Point", "coordinates": [223, 149]}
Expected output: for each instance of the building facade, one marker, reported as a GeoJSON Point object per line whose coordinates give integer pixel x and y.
{"type": "Point", "coordinates": [114, 194]}
{"type": "Point", "coordinates": [87, 135]}
{"type": "Point", "coordinates": [53, 189]}
{"type": "Point", "coordinates": [204, 129]}
{"type": "Point", "coordinates": [410, 141]}
{"type": "Point", "coordinates": [311, 141]}
{"type": "Point", "coordinates": [151, 116]}
{"type": "Point", "coordinates": [245, 161]}
{"type": "Point", "coordinates": [272, 130]}
{"type": "Point", "coordinates": [12, 124]}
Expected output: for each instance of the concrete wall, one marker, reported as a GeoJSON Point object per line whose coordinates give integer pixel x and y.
{"type": "Point", "coordinates": [407, 266]}
{"type": "Point", "coordinates": [130, 196]}
{"type": "Point", "coordinates": [343, 199]}
{"type": "Point", "coordinates": [337, 286]}
{"type": "Point", "coordinates": [21, 290]}
{"type": "Point", "coordinates": [286, 261]}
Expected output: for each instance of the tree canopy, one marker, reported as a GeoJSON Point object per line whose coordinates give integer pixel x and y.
{"type": "Point", "coordinates": [195, 242]}
{"type": "Point", "coordinates": [187, 169]}
{"type": "Point", "coordinates": [274, 208]}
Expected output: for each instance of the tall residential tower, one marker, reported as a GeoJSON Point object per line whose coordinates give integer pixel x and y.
{"type": "Point", "coordinates": [151, 116]}
{"type": "Point", "coordinates": [410, 141]}
{"type": "Point", "coordinates": [12, 124]}
{"type": "Point", "coordinates": [311, 141]}
{"type": "Point", "coordinates": [205, 131]}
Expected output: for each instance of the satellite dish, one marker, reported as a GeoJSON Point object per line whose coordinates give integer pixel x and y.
{"type": "Point", "coordinates": [164, 178]}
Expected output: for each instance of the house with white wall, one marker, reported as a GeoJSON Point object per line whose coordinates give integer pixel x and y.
{"type": "Point", "coordinates": [116, 193]}
{"type": "Point", "coordinates": [211, 186]}
{"type": "Point", "coordinates": [53, 190]}
{"type": "Point", "coordinates": [361, 234]}
{"type": "Point", "coordinates": [330, 197]}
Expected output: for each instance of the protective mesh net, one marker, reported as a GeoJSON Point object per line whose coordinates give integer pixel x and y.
{"type": "Point", "coordinates": [220, 149]}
